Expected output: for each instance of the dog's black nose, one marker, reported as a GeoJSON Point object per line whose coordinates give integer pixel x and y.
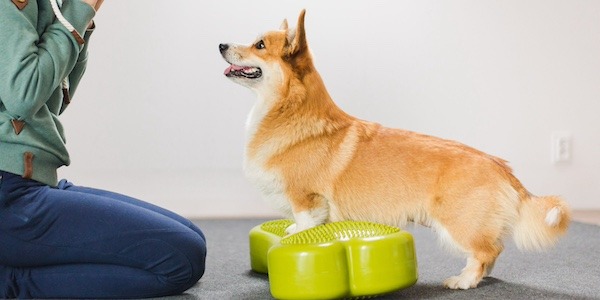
{"type": "Point", "coordinates": [223, 47]}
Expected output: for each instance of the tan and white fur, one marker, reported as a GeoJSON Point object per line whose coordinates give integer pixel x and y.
{"type": "Point", "coordinates": [318, 164]}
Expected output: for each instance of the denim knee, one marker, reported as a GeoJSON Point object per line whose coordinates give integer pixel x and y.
{"type": "Point", "coordinates": [188, 268]}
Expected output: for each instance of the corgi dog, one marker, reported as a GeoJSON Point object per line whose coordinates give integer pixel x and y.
{"type": "Point", "coordinates": [318, 164]}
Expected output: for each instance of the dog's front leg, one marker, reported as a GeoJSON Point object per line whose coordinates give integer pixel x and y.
{"type": "Point", "coordinates": [309, 211]}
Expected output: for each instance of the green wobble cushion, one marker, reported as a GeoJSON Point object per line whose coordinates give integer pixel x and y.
{"type": "Point", "coordinates": [345, 259]}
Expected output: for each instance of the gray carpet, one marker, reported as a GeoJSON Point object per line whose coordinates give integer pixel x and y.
{"type": "Point", "coordinates": [569, 271]}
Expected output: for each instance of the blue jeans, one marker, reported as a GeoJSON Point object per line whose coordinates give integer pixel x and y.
{"type": "Point", "coordinates": [77, 242]}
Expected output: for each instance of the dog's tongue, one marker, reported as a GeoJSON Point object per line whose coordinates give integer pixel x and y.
{"type": "Point", "coordinates": [232, 68]}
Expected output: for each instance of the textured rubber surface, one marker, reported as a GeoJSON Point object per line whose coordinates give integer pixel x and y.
{"type": "Point", "coordinates": [336, 260]}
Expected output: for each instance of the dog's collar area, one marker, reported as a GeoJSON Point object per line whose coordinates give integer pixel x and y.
{"type": "Point", "coordinates": [243, 71]}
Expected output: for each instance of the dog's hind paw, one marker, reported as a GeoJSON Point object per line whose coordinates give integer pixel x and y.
{"type": "Point", "coordinates": [460, 282]}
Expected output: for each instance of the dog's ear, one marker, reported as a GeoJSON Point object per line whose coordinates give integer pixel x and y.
{"type": "Point", "coordinates": [284, 25]}
{"type": "Point", "coordinates": [297, 38]}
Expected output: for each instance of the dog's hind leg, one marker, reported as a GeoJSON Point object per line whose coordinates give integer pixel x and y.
{"type": "Point", "coordinates": [309, 211]}
{"type": "Point", "coordinates": [472, 274]}
{"type": "Point", "coordinates": [482, 251]}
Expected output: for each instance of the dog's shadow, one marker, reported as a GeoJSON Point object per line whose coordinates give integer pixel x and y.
{"type": "Point", "coordinates": [488, 288]}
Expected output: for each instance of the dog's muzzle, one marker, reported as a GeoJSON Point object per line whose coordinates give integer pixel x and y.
{"type": "Point", "coordinates": [236, 70]}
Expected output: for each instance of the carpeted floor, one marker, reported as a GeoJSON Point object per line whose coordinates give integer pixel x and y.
{"type": "Point", "coordinates": [569, 271]}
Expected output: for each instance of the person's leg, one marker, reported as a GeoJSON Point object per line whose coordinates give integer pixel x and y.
{"type": "Point", "coordinates": [56, 243]}
{"type": "Point", "coordinates": [66, 185]}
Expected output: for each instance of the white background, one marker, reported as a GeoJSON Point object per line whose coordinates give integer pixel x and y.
{"type": "Point", "coordinates": [156, 119]}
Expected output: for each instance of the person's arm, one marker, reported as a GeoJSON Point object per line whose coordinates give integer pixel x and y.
{"type": "Point", "coordinates": [81, 64]}
{"type": "Point", "coordinates": [32, 66]}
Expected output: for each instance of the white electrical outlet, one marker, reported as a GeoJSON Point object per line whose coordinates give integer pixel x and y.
{"type": "Point", "coordinates": [561, 146]}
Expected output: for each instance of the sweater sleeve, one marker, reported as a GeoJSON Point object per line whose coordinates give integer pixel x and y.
{"type": "Point", "coordinates": [32, 65]}
{"type": "Point", "coordinates": [80, 66]}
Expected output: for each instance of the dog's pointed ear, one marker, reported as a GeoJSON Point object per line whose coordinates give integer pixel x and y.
{"type": "Point", "coordinates": [297, 37]}
{"type": "Point", "coordinates": [284, 25]}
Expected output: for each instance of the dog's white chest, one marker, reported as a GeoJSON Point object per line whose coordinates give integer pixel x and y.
{"type": "Point", "coordinates": [269, 183]}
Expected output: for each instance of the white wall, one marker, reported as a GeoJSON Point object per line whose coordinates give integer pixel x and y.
{"type": "Point", "coordinates": [155, 117]}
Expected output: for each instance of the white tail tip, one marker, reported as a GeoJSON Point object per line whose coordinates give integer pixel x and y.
{"type": "Point", "coordinates": [553, 217]}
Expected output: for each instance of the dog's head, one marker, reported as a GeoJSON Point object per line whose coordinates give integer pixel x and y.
{"type": "Point", "coordinates": [265, 63]}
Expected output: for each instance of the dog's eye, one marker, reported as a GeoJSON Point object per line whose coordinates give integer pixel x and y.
{"type": "Point", "coordinates": [260, 45]}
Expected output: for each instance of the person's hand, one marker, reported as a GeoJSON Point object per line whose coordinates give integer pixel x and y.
{"type": "Point", "coordinates": [98, 4]}
{"type": "Point", "coordinates": [94, 3]}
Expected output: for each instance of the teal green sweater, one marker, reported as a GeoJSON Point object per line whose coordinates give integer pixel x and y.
{"type": "Point", "coordinates": [36, 54]}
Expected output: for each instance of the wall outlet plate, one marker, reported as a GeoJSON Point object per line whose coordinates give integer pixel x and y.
{"type": "Point", "coordinates": [562, 146]}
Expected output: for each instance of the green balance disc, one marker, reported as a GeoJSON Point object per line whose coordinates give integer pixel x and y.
{"type": "Point", "coordinates": [336, 260]}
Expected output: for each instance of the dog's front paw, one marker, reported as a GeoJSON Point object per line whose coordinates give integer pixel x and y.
{"type": "Point", "coordinates": [291, 229]}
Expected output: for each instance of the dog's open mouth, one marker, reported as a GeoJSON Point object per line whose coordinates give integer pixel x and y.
{"type": "Point", "coordinates": [243, 71]}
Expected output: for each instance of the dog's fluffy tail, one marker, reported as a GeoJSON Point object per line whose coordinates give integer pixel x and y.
{"type": "Point", "coordinates": [542, 220]}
